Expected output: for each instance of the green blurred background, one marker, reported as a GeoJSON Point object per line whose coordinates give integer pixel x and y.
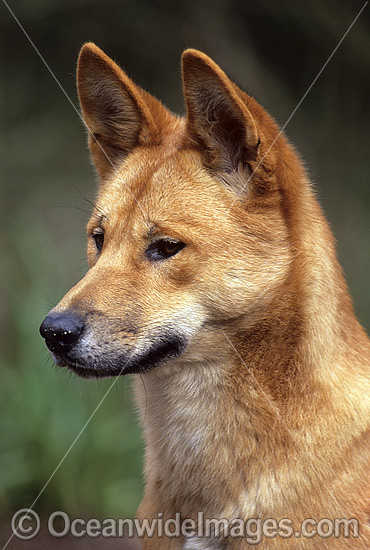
{"type": "Point", "coordinates": [274, 50]}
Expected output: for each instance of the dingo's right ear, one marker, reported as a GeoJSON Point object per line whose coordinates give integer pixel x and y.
{"type": "Point", "coordinates": [117, 113]}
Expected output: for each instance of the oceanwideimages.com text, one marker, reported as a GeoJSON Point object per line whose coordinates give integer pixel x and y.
{"type": "Point", "coordinates": [26, 525]}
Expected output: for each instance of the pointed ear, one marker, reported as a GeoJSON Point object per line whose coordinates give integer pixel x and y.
{"type": "Point", "coordinates": [218, 118]}
{"type": "Point", "coordinates": [115, 110]}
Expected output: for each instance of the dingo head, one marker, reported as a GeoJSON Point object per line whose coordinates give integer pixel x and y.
{"type": "Point", "coordinates": [189, 235]}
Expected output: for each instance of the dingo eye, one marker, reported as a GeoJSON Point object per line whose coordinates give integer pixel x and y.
{"type": "Point", "coordinates": [163, 249]}
{"type": "Point", "coordinates": [98, 240]}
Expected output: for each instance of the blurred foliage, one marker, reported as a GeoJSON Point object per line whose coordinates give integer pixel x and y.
{"type": "Point", "coordinates": [274, 50]}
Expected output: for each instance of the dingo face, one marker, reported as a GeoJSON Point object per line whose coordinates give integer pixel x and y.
{"type": "Point", "coordinates": [180, 244]}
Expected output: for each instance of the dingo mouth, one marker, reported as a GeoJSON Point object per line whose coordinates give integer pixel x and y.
{"type": "Point", "coordinates": [88, 364]}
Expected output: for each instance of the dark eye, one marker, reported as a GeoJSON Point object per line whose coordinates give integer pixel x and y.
{"type": "Point", "coordinates": [98, 240]}
{"type": "Point", "coordinates": [163, 249]}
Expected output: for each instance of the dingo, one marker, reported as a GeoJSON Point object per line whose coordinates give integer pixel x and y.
{"type": "Point", "coordinates": [213, 274]}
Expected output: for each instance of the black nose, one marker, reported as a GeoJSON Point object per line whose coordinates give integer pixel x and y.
{"type": "Point", "coordinates": [61, 331]}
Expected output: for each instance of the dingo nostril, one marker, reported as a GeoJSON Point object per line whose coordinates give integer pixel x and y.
{"type": "Point", "coordinates": [61, 331]}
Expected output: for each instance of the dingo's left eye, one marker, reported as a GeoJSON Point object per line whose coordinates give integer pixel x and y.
{"type": "Point", "coordinates": [163, 249]}
{"type": "Point", "coordinates": [98, 240]}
